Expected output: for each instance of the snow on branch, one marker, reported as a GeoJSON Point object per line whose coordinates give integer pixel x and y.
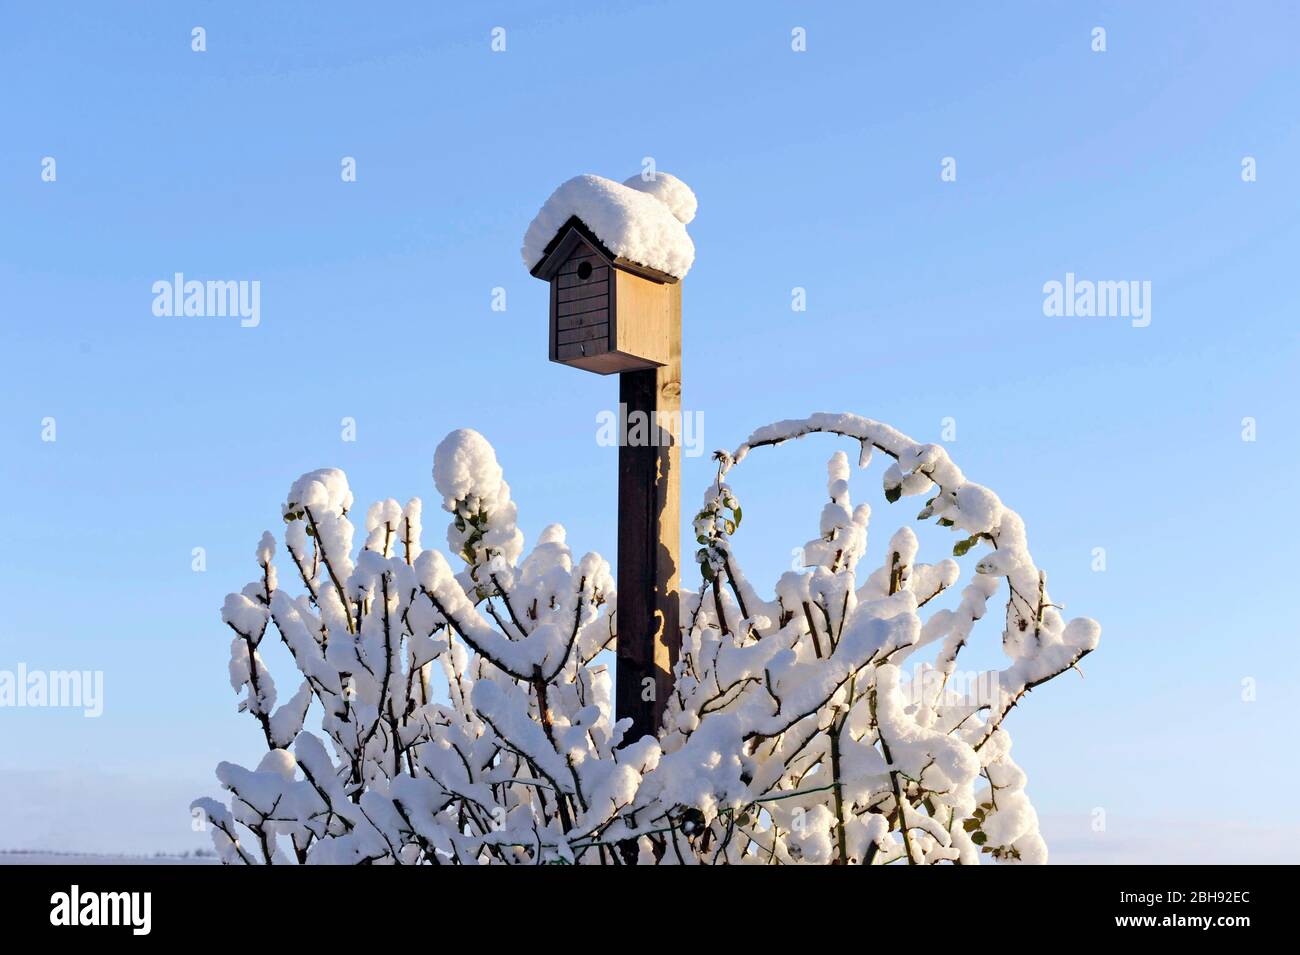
{"type": "Point", "coordinates": [462, 715]}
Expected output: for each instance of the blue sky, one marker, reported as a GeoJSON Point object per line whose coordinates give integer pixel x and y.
{"type": "Point", "coordinates": [817, 169]}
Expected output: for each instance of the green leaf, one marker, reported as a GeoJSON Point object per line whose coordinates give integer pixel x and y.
{"type": "Point", "coordinates": [946, 522]}
{"type": "Point", "coordinates": [970, 825]}
{"type": "Point", "coordinates": [892, 494]}
{"type": "Point", "coordinates": [960, 548]}
{"type": "Point", "coordinates": [979, 838]}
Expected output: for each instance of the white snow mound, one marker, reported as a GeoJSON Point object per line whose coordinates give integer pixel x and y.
{"type": "Point", "coordinates": [669, 190]}
{"type": "Point", "coordinates": [643, 224]}
{"type": "Point", "coordinates": [464, 464]}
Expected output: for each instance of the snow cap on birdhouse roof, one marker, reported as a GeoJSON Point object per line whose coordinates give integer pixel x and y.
{"type": "Point", "coordinates": [639, 225]}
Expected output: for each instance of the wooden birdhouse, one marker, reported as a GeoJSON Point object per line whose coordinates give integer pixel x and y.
{"type": "Point", "coordinates": [608, 314]}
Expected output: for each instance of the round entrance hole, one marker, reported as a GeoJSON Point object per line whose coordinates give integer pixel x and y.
{"type": "Point", "coordinates": [584, 271]}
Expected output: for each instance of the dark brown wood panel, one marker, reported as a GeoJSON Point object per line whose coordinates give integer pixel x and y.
{"type": "Point", "coordinates": [598, 274]}
{"type": "Point", "coordinates": [586, 290]}
{"type": "Point", "coordinates": [589, 333]}
{"type": "Point", "coordinates": [564, 309]}
{"type": "Point", "coordinates": [606, 363]}
{"type": "Point", "coordinates": [571, 264]}
{"type": "Point", "coordinates": [580, 349]}
{"type": "Point", "coordinates": [584, 320]}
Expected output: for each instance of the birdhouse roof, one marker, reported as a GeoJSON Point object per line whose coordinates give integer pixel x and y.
{"type": "Point", "coordinates": [639, 225]}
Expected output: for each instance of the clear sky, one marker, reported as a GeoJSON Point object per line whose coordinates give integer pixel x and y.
{"type": "Point", "coordinates": [818, 169]}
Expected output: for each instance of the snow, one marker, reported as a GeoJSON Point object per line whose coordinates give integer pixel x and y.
{"type": "Point", "coordinates": [245, 616]}
{"type": "Point", "coordinates": [788, 738]}
{"type": "Point", "coordinates": [669, 190]}
{"type": "Point", "coordinates": [465, 465]}
{"type": "Point", "coordinates": [643, 222]}
{"type": "Point", "coordinates": [326, 489]}
{"type": "Point", "coordinates": [466, 473]}
{"type": "Point", "coordinates": [265, 548]}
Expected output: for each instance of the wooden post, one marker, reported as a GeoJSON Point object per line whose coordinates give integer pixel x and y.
{"type": "Point", "coordinates": [649, 537]}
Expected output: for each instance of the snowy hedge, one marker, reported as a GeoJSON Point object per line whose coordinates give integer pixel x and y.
{"type": "Point", "coordinates": [464, 716]}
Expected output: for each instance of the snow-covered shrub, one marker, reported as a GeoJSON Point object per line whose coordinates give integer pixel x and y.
{"type": "Point", "coordinates": [464, 717]}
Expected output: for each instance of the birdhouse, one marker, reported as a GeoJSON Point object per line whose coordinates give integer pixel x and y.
{"type": "Point", "coordinates": [608, 314]}
{"type": "Point", "coordinates": [614, 255]}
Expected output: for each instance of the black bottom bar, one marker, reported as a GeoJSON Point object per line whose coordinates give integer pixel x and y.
{"type": "Point", "coordinates": [218, 905]}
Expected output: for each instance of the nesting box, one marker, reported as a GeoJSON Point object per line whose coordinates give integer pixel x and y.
{"type": "Point", "coordinates": [608, 314]}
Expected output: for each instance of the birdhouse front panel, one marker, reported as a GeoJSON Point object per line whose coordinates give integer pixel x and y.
{"type": "Point", "coordinates": [581, 307]}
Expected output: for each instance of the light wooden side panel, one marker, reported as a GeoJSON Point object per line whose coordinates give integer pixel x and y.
{"type": "Point", "coordinates": [643, 314]}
